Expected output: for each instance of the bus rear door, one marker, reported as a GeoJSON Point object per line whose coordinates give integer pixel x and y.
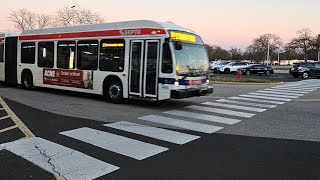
{"type": "Point", "coordinates": [144, 71]}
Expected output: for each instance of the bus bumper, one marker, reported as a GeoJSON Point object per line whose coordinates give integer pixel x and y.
{"type": "Point", "coordinates": [186, 93]}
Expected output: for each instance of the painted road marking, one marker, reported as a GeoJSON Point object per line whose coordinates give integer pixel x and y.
{"type": "Point", "coordinates": [198, 127]}
{"type": "Point", "coordinates": [8, 129]}
{"type": "Point", "coordinates": [296, 89]}
{"type": "Point", "coordinates": [280, 93]}
{"type": "Point", "coordinates": [156, 133]}
{"type": "Point", "coordinates": [256, 100]}
{"type": "Point", "coordinates": [61, 161]}
{"type": "Point", "coordinates": [1, 109]}
{"type": "Point", "coordinates": [204, 117]}
{"type": "Point", "coordinates": [246, 108]}
{"type": "Point", "coordinates": [288, 91]}
{"type": "Point", "coordinates": [273, 95]}
{"type": "Point", "coordinates": [247, 103]}
{"type": "Point", "coordinates": [5, 117]}
{"type": "Point", "coordinates": [264, 97]}
{"type": "Point", "coordinates": [115, 143]}
{"type": "Point", "coordinates": [301, 86]}
{"type": "Point", "coordinates": [221, 111]}
{"type": "Point", "coordinates": [23, 128]}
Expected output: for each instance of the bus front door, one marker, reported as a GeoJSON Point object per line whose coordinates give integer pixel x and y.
{"type": "Point", "coordinates": [144, 71]}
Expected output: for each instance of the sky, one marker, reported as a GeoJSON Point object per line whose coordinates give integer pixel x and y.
{"type": "Point", "coordinates": [227, 23]}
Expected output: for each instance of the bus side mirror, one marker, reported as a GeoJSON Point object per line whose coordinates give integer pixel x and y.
{"type": "Point", "coordinates": [178, 45]}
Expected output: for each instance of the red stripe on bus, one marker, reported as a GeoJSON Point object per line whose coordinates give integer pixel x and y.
{"type": "Point", "coordinates": [123, 32]}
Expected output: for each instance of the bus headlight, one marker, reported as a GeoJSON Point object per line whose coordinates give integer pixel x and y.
{"type": "Point", "coordinates": [177, 83]}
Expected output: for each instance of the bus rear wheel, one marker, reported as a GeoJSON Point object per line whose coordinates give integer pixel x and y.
{"type": "Point", "coordinates": [27, 81]}
{"type": "Point", "coordinates": [113, 92]}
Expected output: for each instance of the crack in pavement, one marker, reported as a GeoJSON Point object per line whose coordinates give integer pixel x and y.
{"type": "Point", "coordinates": [49, 161]}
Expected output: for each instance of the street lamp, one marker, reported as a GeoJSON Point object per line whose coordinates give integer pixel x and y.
{"type": "Point", "coordinates": [73, 14]}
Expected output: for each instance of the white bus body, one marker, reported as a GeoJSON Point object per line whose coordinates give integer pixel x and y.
{"type": "Point", "coordinates": [133, 59]}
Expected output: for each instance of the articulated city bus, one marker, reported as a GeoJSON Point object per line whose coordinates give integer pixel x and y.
{"type": "Point", "coordinates": [134, 59]}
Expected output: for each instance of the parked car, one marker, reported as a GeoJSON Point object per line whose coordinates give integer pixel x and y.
{"type": "Point", "coordinates": [301, 69]}
{"type": "Point", "coordinates": [315, 71]}
{"type": "Point", "coordinates": [257, 69]}
{"type": "Point", "coordinates": [213, 63]}
{"type": "Point", "coordinates": [215, 68]}
{"type": "Point", "coordinates": [233, 67]}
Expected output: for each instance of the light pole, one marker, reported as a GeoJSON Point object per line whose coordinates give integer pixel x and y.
{"type": "Point", "coordinates": [268, 54]}
{"type": "Point", "coordinates": [73, 14]}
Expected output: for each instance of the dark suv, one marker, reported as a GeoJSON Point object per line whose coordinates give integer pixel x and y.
{"type": "Point", "coordinates": [315, 71]}
{"type": "Point", "coordinates": [301, 69]}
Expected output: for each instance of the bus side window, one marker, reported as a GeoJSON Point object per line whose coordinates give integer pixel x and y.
{"type": "Point", "coordinates": [46, 54]}
{"type": "Point", "coordinates": [87, 55]}
{"type": "Point", "coordinates": [166, 59]}
{"type": "Point", "coordinates": [28, 51]}
{"type": "Point", "coordinates": [1, 52]}
{"type": "Point", "coordinates": [112, 53]}
{"type": "Point", "coordinates": [66, 54]}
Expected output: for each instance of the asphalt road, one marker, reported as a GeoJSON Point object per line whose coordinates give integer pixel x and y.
{"type": "Point", "coordinates": [281, 141]}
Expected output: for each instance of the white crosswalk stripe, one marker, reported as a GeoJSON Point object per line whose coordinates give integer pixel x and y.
{"type": "Point", "coordinates": [301, 86]}
{"type": "Point", "coordinates": [288, 91]}
{"type": "Point", "coordinates": [273, 95]}
{"type": "Point", "coordinates": [221, 111]}
{"type": "Point", "coordinates": [247, 103]}
{"type": "Point", "coordinates": [204, 117]}
{"type": "Point", "coordinates": [115, 143]}
{"type": "Point", "coordinates": [297, 89]}
{"type": "Point", "coordinates": [267, 98]}
{"type": "Point", "coordinates": [198, 127]}
{"type": "Point", "coordinates": [256, 100]}
{"type": "Point", "coordinates": [61, 161]}
{"type": "Point", "coordinates": [280, 93]}
{"type": "Point", "coordinates": [156, 133]}
{"type": "Point", "coordinates": [246, 108]}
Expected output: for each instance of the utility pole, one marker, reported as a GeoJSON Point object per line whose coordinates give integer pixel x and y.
{"type": "Point", "coordinates": [268, 54]}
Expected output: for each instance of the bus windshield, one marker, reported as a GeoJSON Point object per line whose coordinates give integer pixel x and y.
{"type": "Point", "coordinates": [192, 60]}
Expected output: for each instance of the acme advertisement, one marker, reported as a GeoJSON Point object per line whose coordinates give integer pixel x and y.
{"type": "Point", "coordinates": [68, 78]}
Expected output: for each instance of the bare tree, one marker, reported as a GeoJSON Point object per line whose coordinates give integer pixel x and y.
{"type": "Point", "coordinates": [71, 16]}
{"type": "Point", "coordinates": [85, 16]}
{"type": "Point", "coordinates": [302, 42]}
{"type": "Point", "coordinates": [262, 44]}
{"type": "Point", "coordinates": [236, 53]}
{"type": "Point", "coordinates": [65, 17]}
{"type": "Point", "coordinates": [44, 20]}
{"type": "Point", "coordinates": [23, 19]}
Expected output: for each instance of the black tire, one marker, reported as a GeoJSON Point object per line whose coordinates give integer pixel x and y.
{"type": "Point", "coordinates": [247, 73]}
{"type": "Point", "coordinates": [267, 73]}
{"type": "Point", "coordinates": [215, 70]}
{"type": "Point", "coordinates": [27, 81]}
{"type": "Point", "coordinates": [113, 92]}
{"type": "Point", "coordinates": [227, 71]}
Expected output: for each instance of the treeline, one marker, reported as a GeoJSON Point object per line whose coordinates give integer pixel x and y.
{"type": "Point", "coordinates": [303, 46]}
{"type": "Point", "coordinates": [24, 19]}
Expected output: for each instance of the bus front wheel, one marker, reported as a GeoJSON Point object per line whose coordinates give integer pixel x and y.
{"type": "Point", "coordinates": [113, 92]}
